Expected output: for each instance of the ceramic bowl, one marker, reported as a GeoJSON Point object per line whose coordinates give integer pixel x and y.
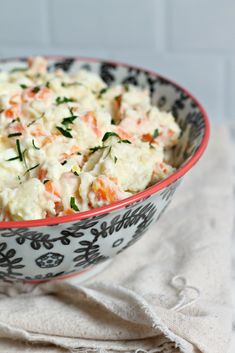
{"type": "Point", "coordinates": [81, 244]}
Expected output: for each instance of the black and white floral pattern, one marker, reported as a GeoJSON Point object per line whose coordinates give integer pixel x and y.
{"type": "Point", "coordinates": [41, 253]}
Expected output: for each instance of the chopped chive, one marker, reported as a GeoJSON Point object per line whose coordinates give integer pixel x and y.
{"type": "Point", "coordinates": [64, 84]}
{"type": "Point", "coordinates": [109, 134]}
{"type": "Point", "coordinates": [12, 159]}
{"type": "Point", "coordinates": [115, 159]}
{"type": "Point", "coordinates": [33, 143]}
{"type": "Point", "coordinates": [15, 134]}
{"type": "Point", "coordinates": [47, 85]}
{"type": "Point", "coordinates": [62, 100]}
{"type": "Point", "coordinates": [96, 148]}
{"type": "Point", "coordinates": [124, 141]}
{"type": "Point", "coordinates": [19, 150]}
{"type": "Point", "coordinates": [64, 132]}
{"type": "Point", "coordinates": [73, 204]}
{"type": "Point", "coordinates": [45, 181]}
{"type": "Point", "coordinates": [34, 167]}
{"type": "Point", "coordinates": [64, 162]}
{"type": "Point", "coordinates": [23, 86]}
{"type": "Point", "coordinates": [79, 153]}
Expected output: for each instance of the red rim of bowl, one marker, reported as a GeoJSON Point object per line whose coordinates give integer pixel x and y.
{"type": "Point", "coordinates": [141, 195]}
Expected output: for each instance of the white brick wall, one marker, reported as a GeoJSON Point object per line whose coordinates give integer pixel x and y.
{"type": "Point", "coordinates": [191, 41]}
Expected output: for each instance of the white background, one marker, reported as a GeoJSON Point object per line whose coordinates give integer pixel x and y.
{"type": "Point", "coordinates": [191, 41]}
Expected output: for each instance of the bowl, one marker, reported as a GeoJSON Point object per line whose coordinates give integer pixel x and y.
{"type": "Point", "coordinates": [82, 244]}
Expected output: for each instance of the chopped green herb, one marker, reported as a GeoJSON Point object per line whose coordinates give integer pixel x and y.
{"type": "Point", "coordinates": [23, 86]}
{"type": "Point", "coordinates": [12, 159]}
{"type": "Point", "coordinates": [64, 84]}
{"type": "Point", "coordinates": [124, 141]}
{"type": "Point", "coordinates": [117, 98]}
{"type": "Point", "coordinates": [18, 69]}
{"type": "Point", "coordinates": [126, 87]}
{"type": "Point", "coordinates": [64, 132]}
{"type": "Point", "coordinates": [13, 121]}
{"type": "Point", "coordinates": [15, 134]}
{"type": "Point", "coordinates": [33, 143]}
{"type": "Point", "coordinates": [73, 204]}
{"type": "Point", "coordinates": [34, 167]}
{"type": "Point", "coordinates": [69, 120]}
{"type": "Point", "coordinates": [109, 134]}
{"type": "Point", "coordinates": [115, 159]}
{"type": "Point", "coordinates": [101, 92]}
{"type": "Point", "coordinates": [75, 173]}
{"type": "Point", "coordinates": [96, 148]}
{"type": "Point", "coordinates": [79, 153]}
{"type": "Point", "coordinates": [62, 100]}
{"type": "Point", "coordinates": [156, 133]}
{"type": "Point", "coordinates": [45, 181]}
{"type": "Point", "coordinates": [63, 163]}
{"type": "Point", "coordinates": [113, 122]}
{"type": "Point", "coordinates": [36, 89]}
{"type": "Point", "coordinates": [19, 150]}
{"type": "Point", "coordinates": [47, 85]}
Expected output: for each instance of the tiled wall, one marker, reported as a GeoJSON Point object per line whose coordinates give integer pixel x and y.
{"type": "Point", "coordinates": [191, 41]}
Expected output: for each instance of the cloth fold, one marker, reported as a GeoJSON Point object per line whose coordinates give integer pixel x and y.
{"type": "Point", "coordinates": [169, 292]}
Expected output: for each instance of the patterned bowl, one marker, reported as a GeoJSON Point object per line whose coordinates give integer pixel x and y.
{"type": "Point", "coordinates": [81, 244]}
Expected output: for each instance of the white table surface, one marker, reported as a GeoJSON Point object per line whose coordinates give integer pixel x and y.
{"type": "Point", "coordinates": [232, 346]}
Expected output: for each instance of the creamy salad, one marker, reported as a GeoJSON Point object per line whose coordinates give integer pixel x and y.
{"type": "Point", "coordinates": [70, 143]}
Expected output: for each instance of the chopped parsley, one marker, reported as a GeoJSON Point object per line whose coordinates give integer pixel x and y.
{"type": "Point", "coordinates": [124, 141]}
{"type": "Point", "coordinates": [15, 134]}
{"type": "Point", "coordinates": [73, 204]}
{"type": "Point", "coordinates": [79, 153]}
{"type": "Point", "coordinates": [36, 89]}
{"type": "Point", "coordinates": [69, 120]}
{"type": "Point", "coordinates": [62, 100]}
{"type": "Point", "coordinates": [23, 86]}
{"type": "Point", "coordinates": [64, 132]}
{"type": "Point", "coordinates": [109, 134]}
{"type": "Point", "coordinates": [47, 85]}
{"type": "Point", "coordinates": [101, 92]}
{"type": "Point", "coordinates": [33, 143]}
{"type": "Point", "coordinates": [96, 148]}
{"type": "Point", "coordinates": [155, 134]}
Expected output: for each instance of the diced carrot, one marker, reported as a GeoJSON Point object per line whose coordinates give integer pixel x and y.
{"type": "Point", "coordinates": [170, 133]}
{"type": "Point", "coordinates": [147, 138]}
{"type": "Point", "coordinates": [90, 118]}
{"type": "Point", "coordinates": [69, 211]}
{"type": "Point", "coordinates": [44, 93]}
{"type": "Point", "coordinates": [47, 140]}
{"type": "Point", "coordinates": [104, 191]}
{"type": "Point", "coordinates": [38, 131]}
{"type": "Point", "coordinates": [9, 113]}
{"type": "Point", "coordinates": [42, 174]}
{"type": "Point", "coordinates": [123, 133]}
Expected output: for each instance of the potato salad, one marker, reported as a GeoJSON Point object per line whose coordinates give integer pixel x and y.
{"type": "Point", "coordinates": [70, 143]}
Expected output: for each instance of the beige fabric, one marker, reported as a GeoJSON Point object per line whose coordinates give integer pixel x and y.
{"type": "Point", "coordinates": [129, 306]}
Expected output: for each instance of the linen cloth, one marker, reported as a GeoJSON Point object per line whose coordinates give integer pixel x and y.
{"type": "Point", "coordinates": [169, 292]}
